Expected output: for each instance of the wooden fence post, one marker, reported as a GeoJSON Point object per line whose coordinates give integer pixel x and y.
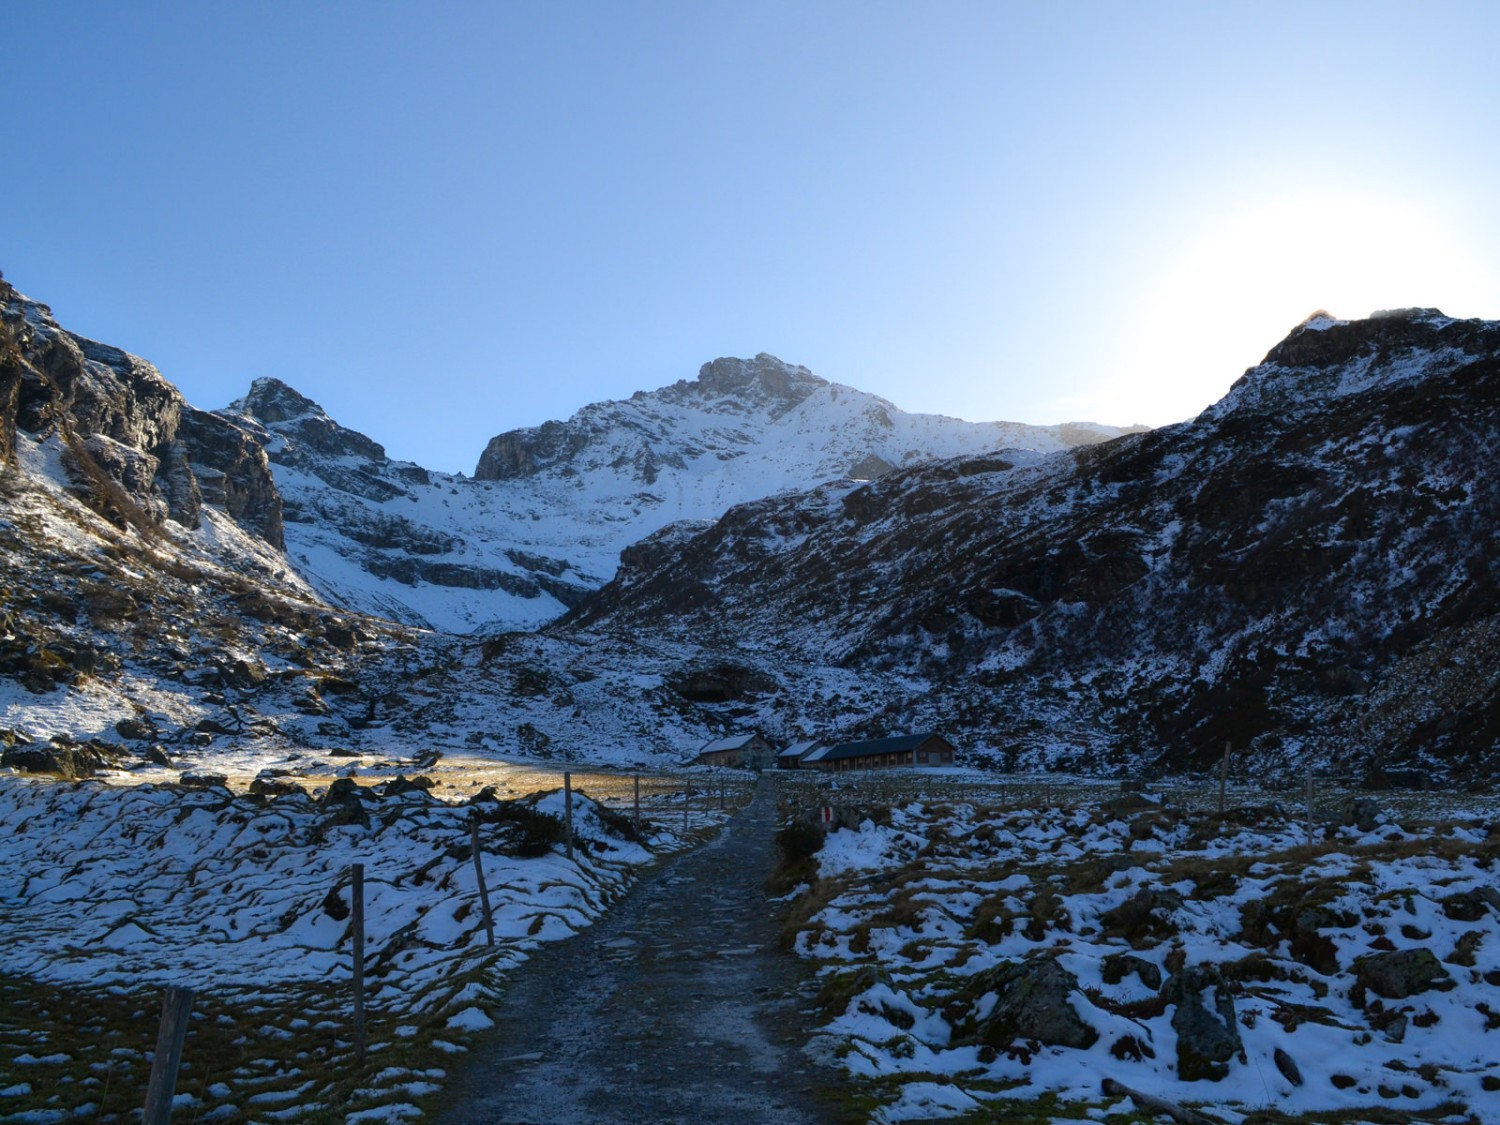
{"type": "Point", "coordinates": [176, 1006]}
{"type": "Point", "coordinates": [1309, 804]}
{"type": "Point", "coordinates": [484, 892]}
{"type": "Point", "coordinates": [568, 810]}
{"type": "Point", "coordinates": [1224, 777]}
{"type": "Point", "coordinates": [357, 906]}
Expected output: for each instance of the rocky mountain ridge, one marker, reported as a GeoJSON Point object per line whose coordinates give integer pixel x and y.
{"type": "Point", "coordinates": [543, 522]}
{"type": "Point", "coordinates": [130, 439]}
{"type": "Point", "coordinates": [1302, 572]}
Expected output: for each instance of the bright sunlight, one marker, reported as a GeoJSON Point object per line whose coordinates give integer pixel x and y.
{"type": "Point", "coordinates": [1240, 288]}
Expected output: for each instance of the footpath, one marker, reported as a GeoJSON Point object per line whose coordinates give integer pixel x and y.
{"type": "Point", "coordinates": [678, 1007]}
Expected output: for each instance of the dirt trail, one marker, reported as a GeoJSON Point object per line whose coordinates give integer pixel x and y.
{"type": "Point", "coordinates": [677, 1007]}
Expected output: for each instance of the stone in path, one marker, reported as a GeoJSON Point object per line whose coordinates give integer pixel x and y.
{"type": "Point", "coordinates": [678, 1007]}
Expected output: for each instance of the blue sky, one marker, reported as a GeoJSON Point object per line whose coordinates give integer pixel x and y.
{"type": "Point", "coordinates": [450, 219]}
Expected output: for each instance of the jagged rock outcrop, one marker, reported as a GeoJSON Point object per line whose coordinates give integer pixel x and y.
{"type": "Point", "coordinates": [136, 449]}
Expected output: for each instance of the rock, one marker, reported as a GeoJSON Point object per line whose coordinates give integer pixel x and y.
{"type": "Point", "coordinates": [1394, 1027]}
{"type": "Point", "coordinates": [1288, 1066]}
{"type": "Point", "coordinates": [247, 675]}
{"type": "Point", "coordinates": [139, 451]}
{"type": "Point", "coordinates": [1471, 906]}
{"type": "Point", "coordinates": [400, 786]}
{"type": "Point", "coordinates": [1363, 813]}
{"type": "Point", "coordinates": [1143, 916]}
{"type": "Point", "coordinates": [1033, 1001]}
{"type": "Point", "coordinates": [203, 780]}
{"type": "Point", "coordinates": [1403, 973]}
{"type": "Point", "coordinates": [67, 760]}
{"type": "Point", "coordinates": [275, 787]}
{"type": "Point", "coordinates": [344, 804]}
{"type": "Point", "coordinates": [157, 755]}
{"type": "Point", "coordinates": [1117, 966]}
{"type": "Point", "coordinates": [136, 729]}
{"type": "Point", "coordinates": [1207, 1035]}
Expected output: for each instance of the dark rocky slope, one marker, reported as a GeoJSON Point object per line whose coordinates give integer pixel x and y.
{"type": "Point", "coordinates": [135, 449]}
{"type": "Point", "coordinates": [1306, 569]}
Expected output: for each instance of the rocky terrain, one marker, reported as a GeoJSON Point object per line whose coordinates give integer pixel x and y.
{"type": "Point", "coordinates": [1302, 573]}
{"type": "Point", "coordinates": [1043, 959]}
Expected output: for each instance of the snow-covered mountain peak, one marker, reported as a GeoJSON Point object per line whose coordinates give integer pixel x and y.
{"type": "Point", "coordinates": [552, 506]}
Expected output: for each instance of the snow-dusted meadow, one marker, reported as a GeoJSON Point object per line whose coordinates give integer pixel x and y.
{"type": "Point", "coordinates": [979, 958]}
{"type": "Point", "coordinates": [110, 893]}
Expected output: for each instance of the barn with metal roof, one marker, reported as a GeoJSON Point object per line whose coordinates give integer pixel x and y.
{"type": "Point", "coordinates": [883, 753]}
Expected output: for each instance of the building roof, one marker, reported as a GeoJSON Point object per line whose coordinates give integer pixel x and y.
{"type": "Point", "coordinates": [733, 742]}
{"type": "Point", "coordinates": [799, 750]}
{"type": "Point", "coordinates": [897, 745]}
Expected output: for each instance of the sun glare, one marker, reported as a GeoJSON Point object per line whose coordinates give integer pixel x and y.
{"type": "Point", "coordinates": [1238, 290]}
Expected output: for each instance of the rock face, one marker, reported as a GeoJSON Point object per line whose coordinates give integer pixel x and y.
{"type": "Point", "coordinates": [136, 450]}
{"type": "Point", "coordinates": [1299, 571]}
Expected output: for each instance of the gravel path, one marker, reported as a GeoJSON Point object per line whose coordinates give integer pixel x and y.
{"type": "Point", "coordinates": [677, 1007]}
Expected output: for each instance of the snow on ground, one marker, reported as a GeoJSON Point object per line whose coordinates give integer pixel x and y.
{"type": "Point", "coordinates": [1361, 972]}
{"type": "Point", "coordinates": [108, 894]}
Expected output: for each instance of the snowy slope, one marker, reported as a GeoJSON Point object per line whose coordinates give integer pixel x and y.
{"type": "Point", "coordinates": [550, 508]}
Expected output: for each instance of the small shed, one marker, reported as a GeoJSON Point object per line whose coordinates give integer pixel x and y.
{"type": "Point", "coordinates": [791, 758]}
{"type": "Point", "coordinates": [883, 753]}
{"type": "Point", "coordinates": [741, 751]}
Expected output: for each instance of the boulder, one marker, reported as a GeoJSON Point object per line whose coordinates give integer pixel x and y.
{"type": "Point", "coordinates": [275, 787]}
{"type": "Point", "coordinates": [203, 780]}
{"type": "Point", "coordinates": [137, 729]}
{"type": "Point", "coordinates": [1363, 813]}
{"type": "Point", "coordinates": [1118, 966]}
{"type": "Point", "coordinates": [1033, 1001]}
{"type": "Point", "coordinates": [1471, 906]}
{"type": "Point", "coordinates": [65, 759]}
{"type": "Point", "coordinates": [1403, 973]}
{"type": "Point", "coordinates": [1208, 1037]}
{"type": "Point", "coordinates": [344, 804]}
{"type": "Point", "coordinates": [400, 785]}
